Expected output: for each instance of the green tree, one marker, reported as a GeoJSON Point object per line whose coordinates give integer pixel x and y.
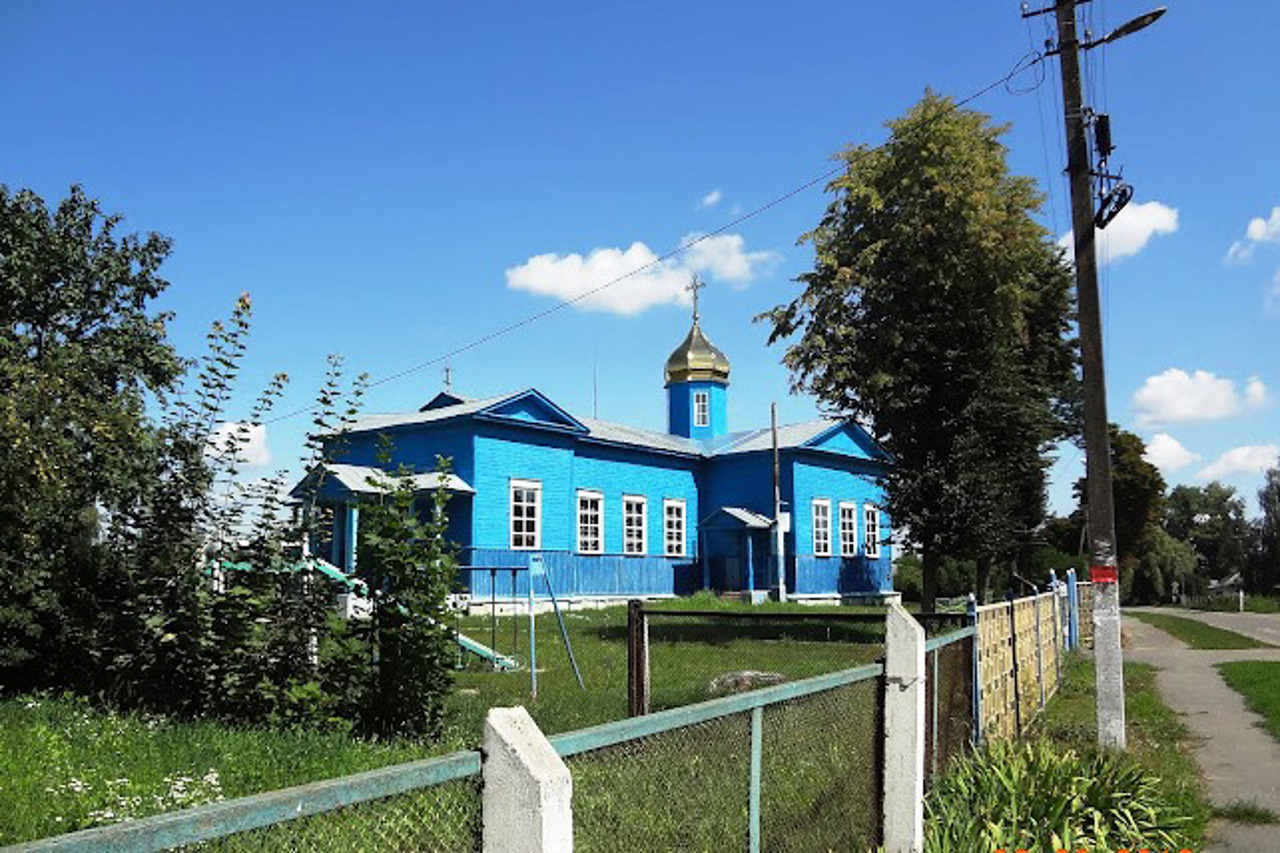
{"type": "Point", "coordinates": [938, 313]}
{"type": "Point", "coordinates": [81, 351]}
{"type": "Point", "coordinates": [1211, 519]}
{"type": "Point", "coordinates": [1137, 492]}
{"type": "Point", "coordinates": [1162, 561]}
{"type": "Point", "coordinates": [1266, 573]}
{"type": "Point", "coordinates": [406, 559]}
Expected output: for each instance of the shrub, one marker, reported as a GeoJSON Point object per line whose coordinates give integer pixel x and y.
{"type": "Point", "coordinates": [1038, 796]}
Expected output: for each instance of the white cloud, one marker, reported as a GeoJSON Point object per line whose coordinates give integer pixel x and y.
{"type": "Point", "coordinates": [1241, 460]}
{"type": "Point", "coordinates": [725, 257]}
{"type": "Point", "coordinates": [1273, 295]}
{"type": "Point", "coordinates": [650, 282]}
{"type": "Point", "coordinates": [1176, 396]}
{"type": "Point", "coordinates": [1129, 233]}
{"type": "Point", "coordinates": [1257, 232]}
{"type": "Point", "coordinates": [253, 453]}
{"type": "Point", "coordinates": [711, 199]}
{"type": "Point", "coordinates": [1167, 453]}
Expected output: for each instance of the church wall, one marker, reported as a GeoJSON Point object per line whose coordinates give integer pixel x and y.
{"type": "Point", "coordinates": [564, 466]}
{"type": "Point", "coordinates": [815, 477]}
{"type": "Point", "coordinates": [414, 446]}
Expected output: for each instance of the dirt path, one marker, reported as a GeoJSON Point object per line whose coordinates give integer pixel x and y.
{"type": "Point", "coordinates": [1240, 760]}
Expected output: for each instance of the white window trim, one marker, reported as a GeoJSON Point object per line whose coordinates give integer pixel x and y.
{"type": "Point", "coordinates": [536, 487]}
{"type": "Point", "coordinates": [871, 546]}
{"type": "Point", "coordinates": [813, 511]}
{"type": "Point", "coordinates": [577, 515]}
{"type": "Point", "coordinates": [705, 398]}
{"type": "Point", "coordinates": [843, 505]}
{"type": "Point", "coordinates": [631, 500]}
{"type": "Point", "coordinates": [684, 527]}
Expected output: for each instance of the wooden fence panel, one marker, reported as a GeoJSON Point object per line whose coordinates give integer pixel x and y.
{"type": "Point", "coordinates": [995, 671]}
{"type": "Point", "coordinates": [1049, 644]}
{"type": "Point", "coordinates": [1024, 620]}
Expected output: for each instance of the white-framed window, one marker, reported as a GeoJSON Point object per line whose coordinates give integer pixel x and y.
{"type": "Point", "coordinates": [871, 529]}
{"type": "Point", "coordinates": [526, 515]}
{"type": "Point", "coordinates": [848, 529]}
{"type": "Point", "coordinates": [590, 522]}
{"type": "Point", "coordinates": [673, 526]}
{"type": "Point", "coordinates": [822, 527]}
{"type": "Point", "coordinates": [701, 408]}
{"type": "Point", "coordinates": [633, 524]}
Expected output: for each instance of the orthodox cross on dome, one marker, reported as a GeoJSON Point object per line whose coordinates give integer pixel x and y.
{"type": "Point", "coordinates": [694, 286]}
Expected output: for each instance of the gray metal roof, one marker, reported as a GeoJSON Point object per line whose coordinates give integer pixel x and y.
{"type": "Point", "coordinates": [747, 441]}
{"type": "Point", "coordinates": [355, 478]}
{"type": "Point", "coordinates": [623, 434]}
{"type": "Point", "coordinates": [385, 421]}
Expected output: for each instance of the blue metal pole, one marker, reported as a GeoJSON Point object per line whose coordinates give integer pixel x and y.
{"type": "Point", "coordinates": [977, 681]}
{"type": "Point", "coordinates": [751, 570]}
{"type": "Point", "coordinates": [1073, 611]}
{"type": "Point", "coordinates": [757, 755]}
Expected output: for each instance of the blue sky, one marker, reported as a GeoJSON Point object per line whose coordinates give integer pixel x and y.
{"type": "Point", "coordinates": [393, 180]}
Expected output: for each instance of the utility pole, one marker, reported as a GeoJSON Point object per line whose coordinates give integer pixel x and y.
{"type": "Point", "coordinates": [779, 535]}
{"type": "Point", "coordinates": [1103, 568]}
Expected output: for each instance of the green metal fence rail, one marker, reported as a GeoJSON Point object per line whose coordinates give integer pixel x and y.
{"type": "Point", "coordinates": [325, 813]}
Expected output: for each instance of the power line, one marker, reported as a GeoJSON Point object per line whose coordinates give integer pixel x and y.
{"type": "Point", "coordinates": [1028, 60]}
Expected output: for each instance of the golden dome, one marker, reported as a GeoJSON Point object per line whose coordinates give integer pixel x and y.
{"type": "Point", "coordinates": [697, 358]}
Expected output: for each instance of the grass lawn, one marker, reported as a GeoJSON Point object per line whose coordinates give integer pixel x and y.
{"type": "Point", "coordinates": [1198, 635]}
{"type": "Point", "coordinates": [66, 766]}
{"type": "Point", "coordinates": [1157, 739]}
{"type": "Point", "coordinates": [1259, 683]}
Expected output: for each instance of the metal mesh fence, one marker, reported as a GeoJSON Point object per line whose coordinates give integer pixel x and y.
{"type": "Point", "coordinates": [819, 786]}
{"type": "Point", "coordinates": [683, 789]}
{"type": "Point", "coordinates": [948, 704]}
{"type": "Point", "coordinates": [693, 657]}
{"type": "Point", "coordinates": [442, 818]}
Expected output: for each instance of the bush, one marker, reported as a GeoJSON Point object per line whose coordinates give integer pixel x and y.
{"type": "Point", "coordinates": [1038, 796]}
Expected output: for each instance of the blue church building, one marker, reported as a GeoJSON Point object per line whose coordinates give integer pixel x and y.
{"type": "Point", "coordinates": [619, 512]}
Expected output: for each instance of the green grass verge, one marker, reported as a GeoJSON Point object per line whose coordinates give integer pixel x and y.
{"type": "Point", "coordinates": [1246, 812]}
{"type": "Point", "coordinates": [1158, 740]}
{"type": "Point", "coordinates": [1196, 634]}
{"type": "Point", "coordinates": [66, 766]}
{"type": "Point", "coordinates": [1259, 683]}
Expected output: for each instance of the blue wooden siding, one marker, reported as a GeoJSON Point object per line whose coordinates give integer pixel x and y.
{"type": "Point", "coordinates": [504, 453]}
{"type": "Point", "coordinates": [680, 409]}
{"type": "Point", "coordinates": [836, 480]}
{"type": "Point", "coordinates": [849, 440]}
{"type": "Point", "coordinates": [616, 472]}
{"type": "Point", "coordinates": [744, 480]}
{"type": "Point", "coordinates": [583, 574]}
{"type": "Point", "coordinates": [416, 447]}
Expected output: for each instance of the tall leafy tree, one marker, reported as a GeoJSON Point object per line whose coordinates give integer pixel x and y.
{"type": "Point", "coordinates": [1266, 573]}
{"type": "Point", "coordinates": [938, 313]}
{"type": "Point", "coordinates": [81, 350]}
{"type": "Point", "coordinates": [1211, 519]}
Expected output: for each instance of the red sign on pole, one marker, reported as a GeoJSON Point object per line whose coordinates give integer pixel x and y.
{"type": "Point", "coordinates": [1104, 574]}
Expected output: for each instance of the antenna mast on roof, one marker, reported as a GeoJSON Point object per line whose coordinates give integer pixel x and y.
{"type": "Point", "coordinates": [448, 378]}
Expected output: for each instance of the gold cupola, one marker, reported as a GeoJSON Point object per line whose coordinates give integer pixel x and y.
{"type": "Point", "coordinates": [697, 359]}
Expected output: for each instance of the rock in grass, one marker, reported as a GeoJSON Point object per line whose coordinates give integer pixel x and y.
{"type": "Point", "coordinates": [742, 681]}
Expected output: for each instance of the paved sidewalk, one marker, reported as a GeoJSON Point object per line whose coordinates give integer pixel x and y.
{"type": "Point", "coordinates": [1260, 626]}
{"type": "Point", "coordinates": [1239, 760]}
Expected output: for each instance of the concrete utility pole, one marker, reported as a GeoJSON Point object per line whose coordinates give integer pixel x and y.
{"type": "Point", "coordinates": [1097, 441]}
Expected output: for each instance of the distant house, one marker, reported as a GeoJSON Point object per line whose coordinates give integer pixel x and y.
{"type": "Point", "coordinates": [619, 512]}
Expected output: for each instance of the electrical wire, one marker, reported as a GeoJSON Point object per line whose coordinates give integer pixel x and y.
{"type": "Point", "coordinates": [1026, 61]}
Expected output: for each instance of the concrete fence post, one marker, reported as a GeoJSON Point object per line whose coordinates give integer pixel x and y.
{"type": "Point", "coordinates": [528, 791]}
{"type": "Point", "coordinates": [904, 732]}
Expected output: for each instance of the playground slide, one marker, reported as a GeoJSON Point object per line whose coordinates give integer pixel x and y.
{"type": "Point", "coordinates": [499, 660]}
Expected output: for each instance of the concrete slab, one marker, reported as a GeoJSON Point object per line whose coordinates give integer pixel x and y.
{"type": "Point", "coordinates": [1240, 761]}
